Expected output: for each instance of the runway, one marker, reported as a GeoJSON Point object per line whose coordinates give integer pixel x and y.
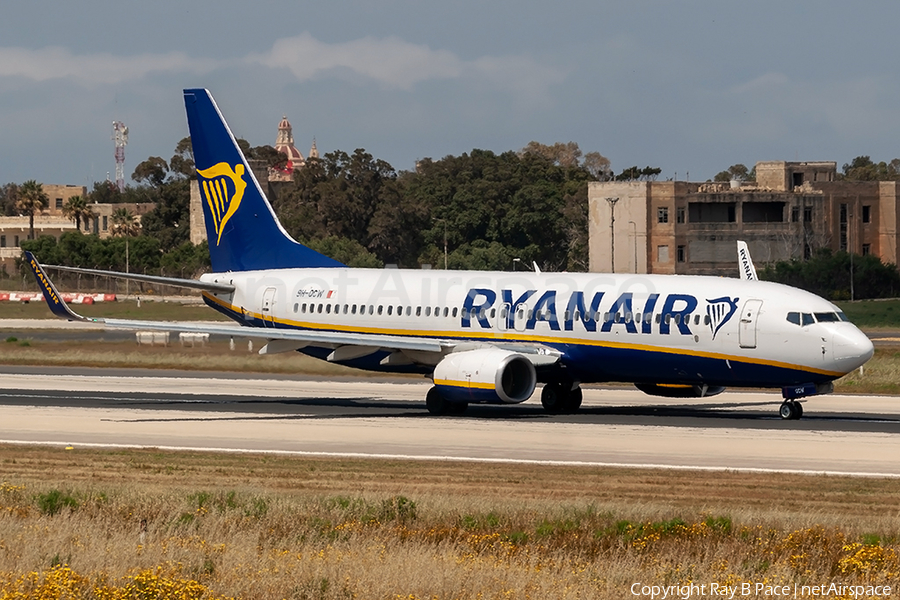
{"type": "Point", "coordinates": [363, 417]}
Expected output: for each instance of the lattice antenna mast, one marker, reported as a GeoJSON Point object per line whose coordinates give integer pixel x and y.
{"type": "Point", "coordinates": [120, 137]}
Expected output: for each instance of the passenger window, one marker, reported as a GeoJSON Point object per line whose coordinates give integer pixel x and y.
{"type": "Point", "coordinates": [659, 318]}
{"type": "Point", "coordinates": [447, 312]}
{"type": "Point", "coordinates": [628, 317]}
{"type": "Point", "coordinates": [668, 318]}
{"type": "Point", "coordinates": [353, 309]}
{"type": "Point", "coordinates": [371, 309]}
{"type": "Point", "coordinates": [303, 307]}
{"type": "Point", "coordinates": [493, 312]}
{"type": "Point", "coordinates": [637, 317]}
{"type": "Point", "coordinates": [380, 309]}
{"type": "Point", "coordinates": [706, 319]}
{"type": "Point", "coordinates": [328, 309]}
{"type": "Point", "coordinates": [806, 319]}
{"type": "Point", "coordinates": [454, 311]}
{"type": "Point", "coordinates": [427, 311]}
{"type": "Point", "coordinates": [678, 319]}
{"type": "Point", "coordinates": [296, 306]}
{"type": "Point", "coordinates": [418, 311]}
{"type": "Point", "coordinates": [346, 308]}
{"type": "Point", "coordinates": [320, 309]}
{"type": "Point", "coordinates": [793, 317]}
{"type": "Point", "coordinates": [390, 310]}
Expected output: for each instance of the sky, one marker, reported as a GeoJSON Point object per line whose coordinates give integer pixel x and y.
{"type": "Point", "coordinates": [691, 87]}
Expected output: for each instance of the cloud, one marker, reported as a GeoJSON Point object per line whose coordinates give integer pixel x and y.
{"type": "Point", "coordinates": [390, 61]}
{"type": "Point", "coordinates": [394, 63]}
{"type": "Point", "coordinates": [60, 63]}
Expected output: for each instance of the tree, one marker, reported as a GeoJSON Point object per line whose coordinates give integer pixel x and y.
{"type": "Point", "coordinates": [124, 224]}
{"type": "Point", "coordinates": [862, 168]}
{"type": "Point", "coordinates": [77, 209]}
{"type": "Point", "coordinates": [182, 162]}
{"type": "Point", "coordinates": [170, 221]}
{"type": "Point", "coordinates": [827, 274]}
{"type": "Point", "coordinates": [736, 172]}
{"type": "Point", "coordinates": [9, 194]}
{"type": "Point", "coordinates": [32, 199]}
{"type": "Point", "coordinates": [598, 166]}
{"type": "Point", "coordinates": [565, 155]}
{"type": "Point", "coordinates": [635, 173]}
{"type": "Point", "coordinates": [152, 171]}
{"type": "Point", "coordinates": [104, 192]}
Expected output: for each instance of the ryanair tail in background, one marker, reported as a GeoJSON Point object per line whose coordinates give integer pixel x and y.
{"type": "Point", "coordinates": [243, 232]}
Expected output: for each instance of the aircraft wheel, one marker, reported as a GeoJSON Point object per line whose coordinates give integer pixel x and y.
{"type": "Point", "coordinates": [457, 408]}
{"type": "Point", "coordinates": [790, 410]}
{"type": "Point", "coordinates": [573, 402]}
{"type": "Point", "coordinates": [436, 404]}
{"type": "Point", "coordinates": [553, 398]}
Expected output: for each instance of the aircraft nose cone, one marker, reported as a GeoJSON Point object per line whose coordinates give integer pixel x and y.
{"type": "Point", "coordinates": [853, 348]}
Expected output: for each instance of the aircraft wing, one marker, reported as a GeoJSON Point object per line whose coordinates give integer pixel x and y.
{"type": "Point", "coordinates": [289, 339]}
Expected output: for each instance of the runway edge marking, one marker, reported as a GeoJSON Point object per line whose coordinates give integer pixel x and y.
{"type": "Point", "coordinates": [470, 459]}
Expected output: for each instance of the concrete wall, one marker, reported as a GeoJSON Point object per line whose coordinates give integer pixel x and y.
{"type": "Point", "coordinates": [630, 229]}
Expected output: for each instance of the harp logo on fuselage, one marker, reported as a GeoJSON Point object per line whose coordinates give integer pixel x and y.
{"type": "Point", "coordinates": [223, 187]}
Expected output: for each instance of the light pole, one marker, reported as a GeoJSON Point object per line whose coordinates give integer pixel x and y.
{"type": "Point", "coordinates": [444, 221]}
{"type": "Point", "coordinates": [612, 231]}
{"type": "Point", "coordinates": [850, 248]}
{"type": "Point", "coordinates": [516, 260]}
{"type": "Point", "coordinates": [634, 234]}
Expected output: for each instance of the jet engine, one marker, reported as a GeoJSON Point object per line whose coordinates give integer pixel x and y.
{"type": "Point", "coordinates": [486, 375]}
{"type": "Point", "coordinates": [679, 390]}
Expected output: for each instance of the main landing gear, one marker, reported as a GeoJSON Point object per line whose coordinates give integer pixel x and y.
{"type": "Point", "coordinates": [558, 398]}
{"type": "Point", "coordinates": [438, 405]}
{"type": "Point", "coordinates": [790, 410]}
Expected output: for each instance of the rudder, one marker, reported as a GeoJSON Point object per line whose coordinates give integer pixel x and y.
{"type": "Point", "coordinates": [243, 232]}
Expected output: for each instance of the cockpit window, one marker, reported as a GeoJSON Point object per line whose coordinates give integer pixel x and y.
{"type": "Point", "coordinates": [826, 317]}
{"type": "Point", "coordinates": [793, 317]}
{"type": "Point", "coordinates": [807, 319]}
{"type": "Point", "coordinates": [843, 317]}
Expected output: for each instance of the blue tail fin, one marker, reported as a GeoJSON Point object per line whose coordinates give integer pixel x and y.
{"type": "Point", "coordinates": [243, 232]}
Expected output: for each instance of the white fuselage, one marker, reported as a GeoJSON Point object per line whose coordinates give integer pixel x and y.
{"type": "Point", "coordinates": [608, 327]}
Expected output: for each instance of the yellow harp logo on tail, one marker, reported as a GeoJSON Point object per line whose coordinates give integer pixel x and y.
{"type": "Point", "coordinates": [223, 188]}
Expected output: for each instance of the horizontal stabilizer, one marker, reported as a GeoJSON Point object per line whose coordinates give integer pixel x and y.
{"type": "Point", "coordinates": [194, 284]}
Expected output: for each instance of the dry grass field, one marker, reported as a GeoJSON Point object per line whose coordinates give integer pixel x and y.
{"type": "Point", "coordinates": [147, 524]}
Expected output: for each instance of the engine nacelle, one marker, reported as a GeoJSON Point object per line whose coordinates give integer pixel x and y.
{"type": "Point", "coordinates": [679, 390]}
{"type": "Point", "coordinates": [488, 375]}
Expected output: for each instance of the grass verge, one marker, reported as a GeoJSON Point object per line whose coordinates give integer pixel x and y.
{"type": "Point", "coordinates": [259, 526]}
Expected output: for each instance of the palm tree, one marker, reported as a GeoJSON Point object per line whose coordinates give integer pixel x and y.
{"type": "Point", "coordinates": [77, 209]}
{"type": "Point", "coordinates": [124, 224]}
{"type": "Point", "coordinates": [32, 199]}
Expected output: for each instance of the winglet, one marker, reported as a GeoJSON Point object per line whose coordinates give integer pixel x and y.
{"type": "Point", "coordinates": [54, 300]}
{"type": "Point", "coordinates": [745, 263]}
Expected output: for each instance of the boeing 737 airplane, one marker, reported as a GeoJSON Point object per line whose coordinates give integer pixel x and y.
{"type": "Point", "coordinates": [491, 337]}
